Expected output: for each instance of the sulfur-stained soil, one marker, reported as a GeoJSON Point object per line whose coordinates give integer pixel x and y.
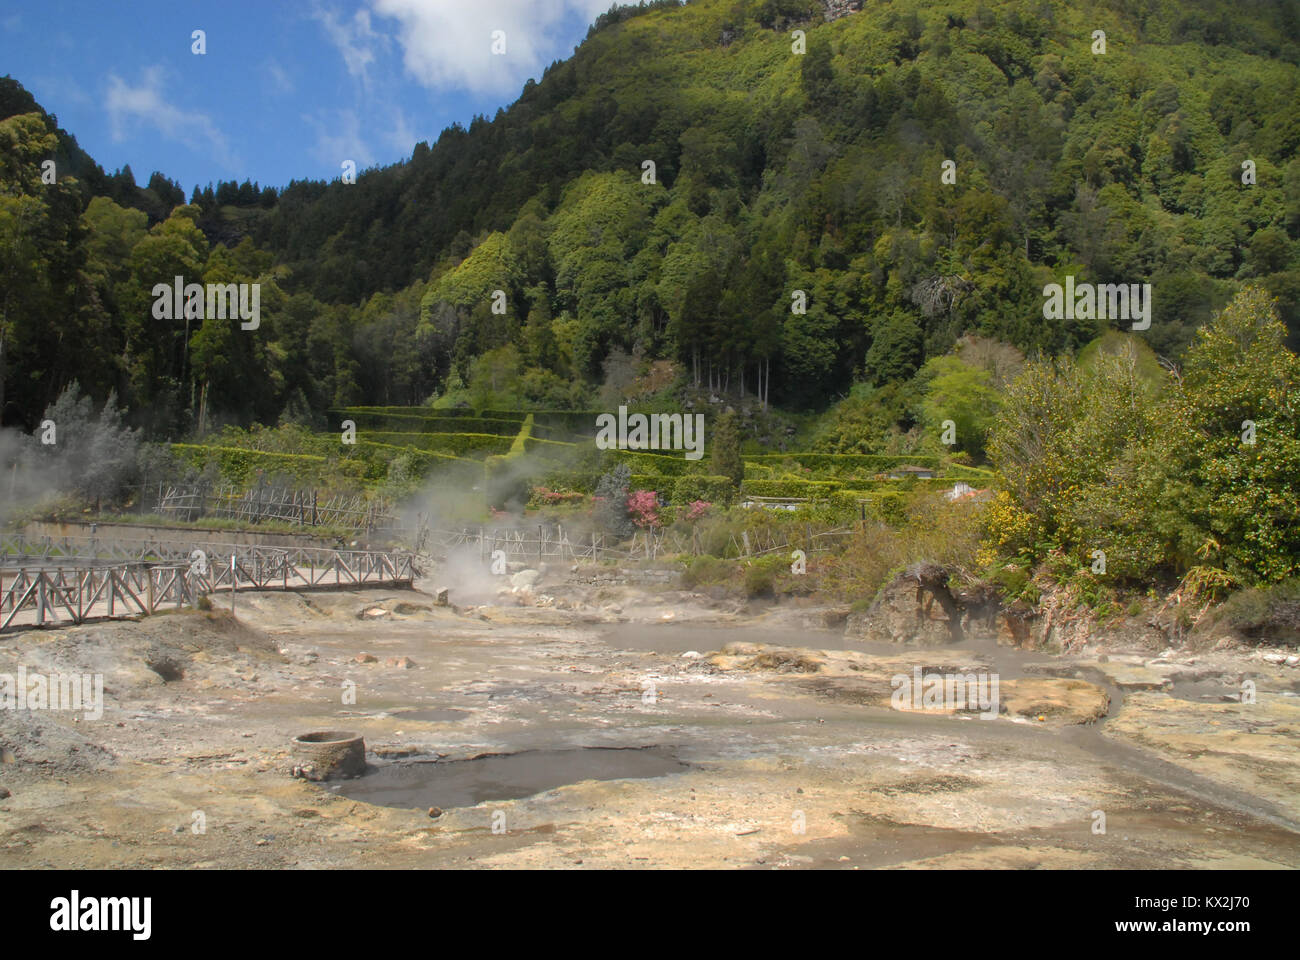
{"type": "Point", "coordinates": [574, 725]}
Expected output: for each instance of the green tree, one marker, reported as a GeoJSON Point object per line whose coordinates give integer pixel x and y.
{"type": "Point", "coordinates": [1239, 384]}
{"type": "Point", "coordinates": [724, 447]}
{"type": "Point", "coordinates": [964, 394]}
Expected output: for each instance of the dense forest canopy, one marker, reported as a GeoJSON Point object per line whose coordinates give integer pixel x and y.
{"type": "Point", "coordinates": [777, 177]}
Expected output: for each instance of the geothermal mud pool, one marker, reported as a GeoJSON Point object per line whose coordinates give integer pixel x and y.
{"type": "Point", "coordinates": [618, 727]}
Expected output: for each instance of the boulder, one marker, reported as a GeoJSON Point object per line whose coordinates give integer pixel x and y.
{"type": "Point", "coordinates": [525, 579]}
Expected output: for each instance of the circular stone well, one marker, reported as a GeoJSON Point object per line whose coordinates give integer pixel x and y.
{"type": "Point", "coordinates": [329, 755]}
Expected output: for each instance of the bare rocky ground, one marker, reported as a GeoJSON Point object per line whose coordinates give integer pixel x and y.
{"type": "Point", "coordinates": [726, 736]}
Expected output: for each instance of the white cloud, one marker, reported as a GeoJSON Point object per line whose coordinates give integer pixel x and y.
{"type": "Point", "coordinates": [144, 104]}
{"type": "Point", "coordinates": [447, 43]}
{"type": "Point", "coordinates": [353, 36]}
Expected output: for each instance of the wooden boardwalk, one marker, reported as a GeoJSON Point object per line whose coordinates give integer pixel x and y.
{"type": "Point", "coordinates": [45, 591]}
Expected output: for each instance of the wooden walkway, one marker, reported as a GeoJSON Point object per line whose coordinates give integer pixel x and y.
{"type": "Point", "coordinates": [40, 591]}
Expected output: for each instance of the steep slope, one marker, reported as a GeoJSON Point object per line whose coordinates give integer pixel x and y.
{"type": "Point", "coordinates": [782, 179]}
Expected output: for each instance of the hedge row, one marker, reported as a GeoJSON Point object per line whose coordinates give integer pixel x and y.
{"type": "Point", "coordinates": [807, 489]}
{"type": "Point", "coordinates": [379, 455]}
{"type": "Point", "coordinates": [506, 476]}
{"type": "Point", "coordinates": [663, 464]}
{"type": "Point", "coordinates": [560, 434]}
{"type": "Point", "coordinates": [456, 444]}
{"type": "Point", "coordinates": [682, 490]}
{"type": "Point", "coordinates": [679, 490]}
{"type": "Point", "coordinates": [761, 471]}
{"type": "Point", "coordinates": [416, 423]}
{"type": "Point", "coordinates": [955, 471]}
{"type": "Point", "coordinates": [710, 488]}
{"type": "Point", "coordinates": [577, 422]}
{"type": "Point", "coordinates": [550, 449]}
{"type": "Point", "coordinates": [877, 463]}
{"type": "Point", "coordinates": [934, 483]}
{"type": "Point", "coordinates": [238, 465]}
{"type": "Point", "coordinates": [454, 412]}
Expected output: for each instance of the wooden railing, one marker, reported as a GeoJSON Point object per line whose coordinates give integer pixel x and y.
{"type": "Point", "coordinates": [36, 593]}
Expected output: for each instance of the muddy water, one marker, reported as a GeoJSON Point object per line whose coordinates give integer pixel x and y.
{"type": "Point", "coordinates": [678, 638]}
{"type": "Point", "coordinates": [545, 707]}
{"type": "Point", "coordinates": [427, 783]}
{"type": "Point", "coordinates": [1009, 663]}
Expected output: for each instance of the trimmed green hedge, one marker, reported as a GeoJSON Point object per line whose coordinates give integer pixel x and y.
{"type": "Point", "coordinates": [506, 476]}
{"type": "Point", "coordinates": [456, 444]}
{"type": "Point", "coordinates": [241, 466]}
{"type": "Point", "coordinates": [581, 481]}
{"type": "Point", "coordinates": [550, 449]}
{"type": "Point", "coordinates": [680, 490]}
{"type": "Point", "coordinates": [559, 434]}
{"type": "Point", "coordinates": [711, 488]}
{"type": "Point", "coordinates": [423, 423]}
{"type": "Point", "coordinates": [955, 471]}
{"type": "Point", "coordinates": [580, 423]}
{"type": "Point", "coordinates": [808, 489]}
{"type": "Point", "coordinates": [384, 452]}
{"type": "Point", "coordinates": [454, 412]}
{"type": "Point", "coordinates": [872, 462]}
{"type": "Point", "coordinates": [935, 483]}
{"type": "Point", "coordinates": [663, 464]}
{"type": "Point", "coordinates": [848, 499]}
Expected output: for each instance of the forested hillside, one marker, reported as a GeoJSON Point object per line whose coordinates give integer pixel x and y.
{"type": "Point", "coordinates": [773, 172]}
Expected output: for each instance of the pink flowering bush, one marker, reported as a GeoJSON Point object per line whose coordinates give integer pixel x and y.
{"type": "Point", "coordinates": [698, 508]}
{"type": "Point", "coordinates": [643, 505]}
{"type": "Point", "coordinates": [546, 497]}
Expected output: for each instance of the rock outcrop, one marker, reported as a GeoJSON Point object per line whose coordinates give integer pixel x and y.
{"type": "Point", "coordinates": [840, 8]}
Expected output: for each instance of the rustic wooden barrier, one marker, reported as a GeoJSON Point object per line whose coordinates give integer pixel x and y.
{"type": "Point", "coordinates": [299, 507]}
{"type": "Point", "coordinates": [36, 594]}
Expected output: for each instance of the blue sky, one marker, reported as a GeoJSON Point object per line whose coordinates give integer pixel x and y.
{"type": "Point", "coordinates": [285, 90]}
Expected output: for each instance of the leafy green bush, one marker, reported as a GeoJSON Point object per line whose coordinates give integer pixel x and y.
{"type": "Point", "coordinates": [850, 498]}
{"type": "Point", "coordinates": [761, 574]}
{"type": "Point", "coordinates": [1015, 584]}
{"type": "Point", "coordinates": [930, 530]}
{"type": "Point", "coordinates": [692, 487]}
{"type": "Point", "coordinates": [1264, 613]}
{"type": "Point", "coordinates": [705, 570]}
{"type": "Point", "coordinates": [891, 508]}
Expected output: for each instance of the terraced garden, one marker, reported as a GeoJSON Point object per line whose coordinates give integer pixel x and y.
{"type": "Point", "coordinates": [511, 453]}
{"type": "Point", "coordinates": [555, 449]}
